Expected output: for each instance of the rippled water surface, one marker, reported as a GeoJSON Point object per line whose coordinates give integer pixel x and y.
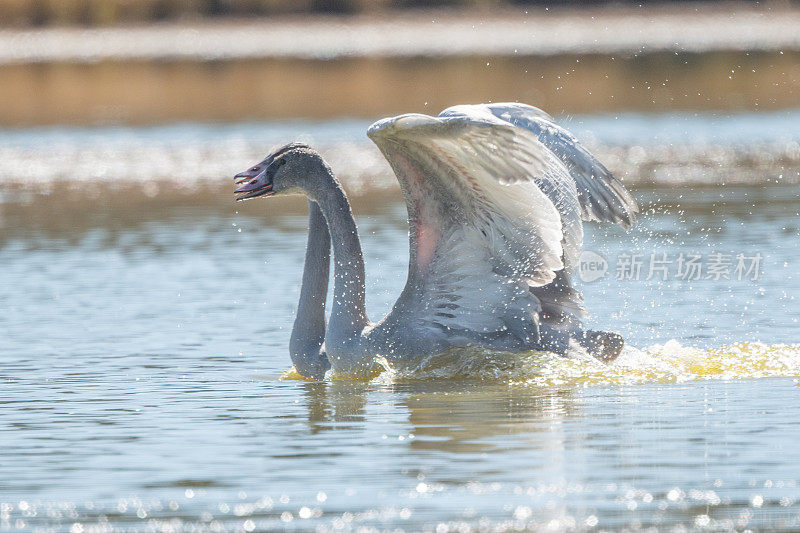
{"type": "Point", "coordinates": [145, 327]}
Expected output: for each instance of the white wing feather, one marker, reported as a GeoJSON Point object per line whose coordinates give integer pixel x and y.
{"type": "Point", "coordinates": [493, 214]}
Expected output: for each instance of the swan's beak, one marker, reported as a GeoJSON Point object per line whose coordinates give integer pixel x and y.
{"type": "Point", "coordinates": [253, 183]}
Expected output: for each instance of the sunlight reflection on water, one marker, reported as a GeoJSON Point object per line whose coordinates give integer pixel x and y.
{"type": "Point", "coordinates": [145, 337]}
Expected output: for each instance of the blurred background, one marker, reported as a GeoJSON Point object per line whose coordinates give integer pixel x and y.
{"type": "Point", "coordinates": [94, 64]}
{"type": "Point", "coordinates": [156, 61]}
{"type": "Point", "coordinates": [103, 12]}
{"type": "Point", "coordinates": [155, 102]}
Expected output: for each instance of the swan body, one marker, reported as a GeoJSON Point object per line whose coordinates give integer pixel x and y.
{"type": "Point", "coordinates": [496, 195]}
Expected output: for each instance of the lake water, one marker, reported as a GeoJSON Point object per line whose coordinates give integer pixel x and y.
{"type": "Point", "coordinates": [145, 320]}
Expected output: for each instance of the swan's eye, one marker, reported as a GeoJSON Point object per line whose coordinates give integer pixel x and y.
{"type": "Point", "coordinates": [254, 169]}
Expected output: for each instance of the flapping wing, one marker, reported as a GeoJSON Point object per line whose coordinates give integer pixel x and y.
{"type": "Point", "coordinates": [493, 214]}
{"type": "Point", "coordinates": [602, 197]}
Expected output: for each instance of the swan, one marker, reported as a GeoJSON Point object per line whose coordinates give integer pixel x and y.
{"type": "Point", "coordinates": [496, 195]}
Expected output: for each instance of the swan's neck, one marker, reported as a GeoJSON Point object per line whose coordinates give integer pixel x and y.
{"type": "Point", "coordinates": [348, 312]}
{"type": "Point", "coordinates": [308, 333]}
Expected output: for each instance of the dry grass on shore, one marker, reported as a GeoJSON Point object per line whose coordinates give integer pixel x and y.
{"type": "Point", "coordinates": [33, 13]}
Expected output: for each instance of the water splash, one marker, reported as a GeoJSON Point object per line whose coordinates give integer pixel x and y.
{"type": "Point", "coordinates": [671, 362]}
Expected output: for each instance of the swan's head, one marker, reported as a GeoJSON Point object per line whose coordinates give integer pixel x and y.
{"type": "Point", "coordinates": [281, 172]}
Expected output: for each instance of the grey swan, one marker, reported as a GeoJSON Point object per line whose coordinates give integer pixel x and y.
{"type": "Point", "coordinates": [496, 195]}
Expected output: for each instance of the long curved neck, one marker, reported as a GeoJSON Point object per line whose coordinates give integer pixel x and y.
{"type": "Point", "coordinates": [348, 312]}
{"type": "Point", "coordinates": [308, 333]}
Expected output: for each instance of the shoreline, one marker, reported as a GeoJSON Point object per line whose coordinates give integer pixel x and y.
{"type": "Point", "coordinates": [507, 32]}
{"type": "Point", "coordinates": [158, 92]}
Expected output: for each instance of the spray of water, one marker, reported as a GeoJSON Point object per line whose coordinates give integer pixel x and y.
{"type": "Point", "coordinates": [671, 362]}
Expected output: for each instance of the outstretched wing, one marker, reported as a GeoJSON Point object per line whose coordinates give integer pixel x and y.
{"type": "Point", "coordinates": [493, 214]}
{"type": "Point", "coordinates": [602, 197]}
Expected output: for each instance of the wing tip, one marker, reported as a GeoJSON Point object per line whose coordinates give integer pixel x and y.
{"type": "Point", "coordinates": [631, 209]}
